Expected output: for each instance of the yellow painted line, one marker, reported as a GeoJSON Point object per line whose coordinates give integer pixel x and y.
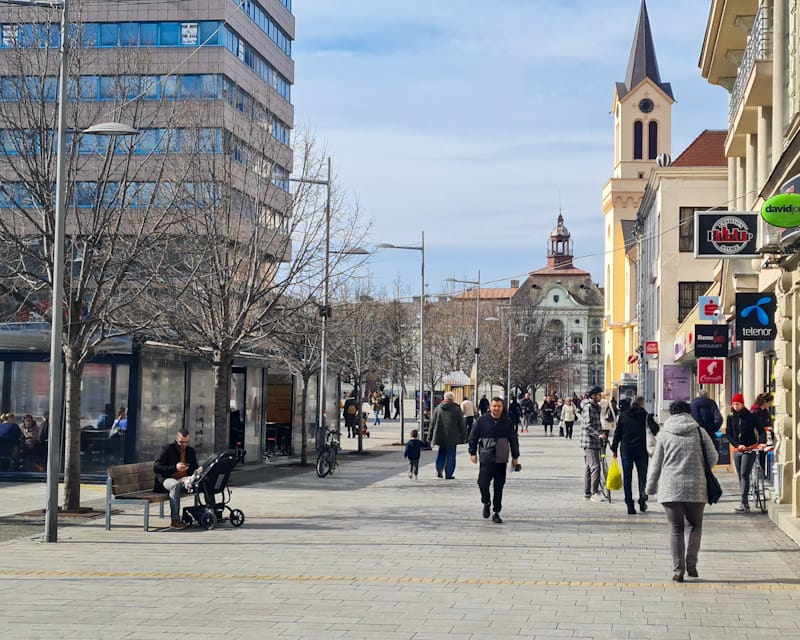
{"type": "Point", "coordinates": [572, 584]}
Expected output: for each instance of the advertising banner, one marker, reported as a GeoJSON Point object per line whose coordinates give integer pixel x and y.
{"type": "Point", "coordinates": [711, 340]}
{"type": "Point", "coordinates": [710, 371]}
{"type": "Point", "coordinates": [726, 234]}
{"type": "Point", "coordinates": [755, 316]}
{"type": "Point", "coordinates": [676, 382]}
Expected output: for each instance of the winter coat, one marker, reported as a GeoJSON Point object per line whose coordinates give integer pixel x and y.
{"type": "Point", "coordinates": [631, 431]}
{"type": "Point", "coordinates": [498, 434]}
{"type": "Point", "coordinates": [548, 412]}
{"type": "Point", "coordinates": [676, 470]}
{"type": "Point", "coordinates": [448, 425]}
{"type": "Point", "coordinates": [706, 413]}
{"type": "Point", "coordinates": [592, 427]}
{"type": "Point", "coordinates": [568, 413]}
{"type": "Point", "coordinates": [743, 429]}
{"type": "Point", "coordinates": [413, 449]}
{"type": "Point", "coordinates": [467, 408]}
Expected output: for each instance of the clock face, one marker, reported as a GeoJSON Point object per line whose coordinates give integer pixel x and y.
{"type": "Point", "coordinates": [646, 105]}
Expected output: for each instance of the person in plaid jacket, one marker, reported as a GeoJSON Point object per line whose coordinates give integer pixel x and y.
{"type": "Point", "coordinates": [592, 441]}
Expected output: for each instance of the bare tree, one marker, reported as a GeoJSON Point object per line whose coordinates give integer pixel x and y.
{"type": "Point", "coordinates": [117, 216]}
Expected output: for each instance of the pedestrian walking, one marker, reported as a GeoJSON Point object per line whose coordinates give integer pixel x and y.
{"type": "Point", "coordinates": [630, 439]}
{"type": "Point", "coordinates": [706, 413]}
{"type": "Point", "coordinates": [449, 431]}
{"type": "Point", "coordinates": [557, 417]}
{"type": "Point", "coordinates": [412, 454]}
{"type": "Point", "coordinates": [743, 432]}
{"type": "Point", "coordinates": [396, 407]}
{"type": "Point", "coordinates": [568, 416]}
{"type": "Point", "coordinates": [469, 413]}
{"type": "Point", "coordinates": [483, 405]}
{"type": "Point", "coordinates": [514, 414]}
{"type": "Point", "coordinates": [492, 442]}
{"type": "Point", "coordinates": [593, 440]}
{"type": "Point", "coordinates": [350, 415]}
{"type": "Point", "coordinates": [677, 475]}
{"type": "Point", "coordinates": [548, 410]}
{"type": "Point", "coordinates": [528, 412]}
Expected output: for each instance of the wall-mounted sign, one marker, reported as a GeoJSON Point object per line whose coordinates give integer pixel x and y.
{"type": "Point", "coordinates": [651, 348]}
{"type": "Point", "coordinates": [725, 234]}
{"type": "Point", "coordinates": [755, 316]}
{"type": "Point", "coordinates": [711, 340]}
{"type": "Point", "coordinates": [709, 309]}
{"type": "Point", "coordinates": [676, 382]}
{"type": "Point", "coordinates": [710, 371]}
{"type": "Point", "coordinates": [679, 348]}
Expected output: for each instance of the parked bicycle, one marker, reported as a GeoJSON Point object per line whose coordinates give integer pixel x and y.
{"type": "Point", "coordinates": [758, 492]}
{"type": "Point", "coordinates": [326, 459]}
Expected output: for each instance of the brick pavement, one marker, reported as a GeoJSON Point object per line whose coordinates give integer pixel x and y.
{"type": "Point", "coordinates": [372, 554]}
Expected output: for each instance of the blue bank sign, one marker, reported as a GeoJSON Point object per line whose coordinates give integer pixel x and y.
{"type": "Point", "coordinates": [755, 316]}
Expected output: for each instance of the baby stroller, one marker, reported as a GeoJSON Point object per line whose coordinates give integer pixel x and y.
{"type": "Point", "coordinates": [212, 494]}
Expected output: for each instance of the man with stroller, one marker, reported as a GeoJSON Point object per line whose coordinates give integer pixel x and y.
{"type": "Point", "coordinates": [176, 461]}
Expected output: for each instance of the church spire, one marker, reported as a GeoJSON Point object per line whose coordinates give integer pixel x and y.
{"type": "Point", "coordinates": [642, 62]}
{"type": "Point", "coordinates": [559, 253]}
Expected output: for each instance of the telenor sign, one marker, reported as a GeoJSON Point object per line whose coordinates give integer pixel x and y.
{"type": "Point", "coordinates": [783, 209]}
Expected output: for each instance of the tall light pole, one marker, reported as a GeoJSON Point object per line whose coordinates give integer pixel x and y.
{"type": "Point", "coordinates": [421, 249]}
{"type": "Point", "coordinates": [477, 283]}
{"type": "Point", "coordinates": [56, 392]}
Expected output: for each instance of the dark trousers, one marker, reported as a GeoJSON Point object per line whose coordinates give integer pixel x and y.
{"type": "Point", "coordinates": [568, 428]}
{"type": "Point", "coordinates": [629, 460]}
{"type": "Point", "coordinates": [492, 472]}
{"type": "Point", "coordinates": [413, 466]}
{"type": "Point", "coordinates": [547, 425]}
{"type": "Point", "coordinates": [684, 541]}
{"type": "Point", "coordinates": [446, 461]}
{"type": "Point", "coordinates": [743, 461]}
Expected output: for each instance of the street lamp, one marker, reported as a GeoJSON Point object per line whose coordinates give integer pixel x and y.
{"type": "Point", "coordinates": [56, 394]}
{"type": "Point", "coordinates": [421, 249]}
{"type": "Point", "coordinates": [477, 283]}
{"type": "Point", "coordinates": [508, 371]}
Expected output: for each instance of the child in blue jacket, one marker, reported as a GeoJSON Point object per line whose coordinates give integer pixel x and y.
{"type": "Point", "coordinates": [413, 452]}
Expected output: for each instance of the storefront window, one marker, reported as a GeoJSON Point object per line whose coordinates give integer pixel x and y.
{"type": "Point", "coordinates": [96, 396]}
{"type": "Point", "coordinates": [30, 389]}
{"type": "Point", "coordinates": [161, 404]}
{"type": "Point", "coordinates": [252, 438]}
{"type": "Point", "coordinates": [201, 410]}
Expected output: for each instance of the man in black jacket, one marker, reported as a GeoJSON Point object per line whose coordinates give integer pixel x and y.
{"type": "Point", "coordinates": [706, 413]}
{"type": "Point", "coordinates": [631, 436]}
{"type": "Point", "coordinates": [494, 440]}
{"type": "Point", "coordinates": [176, 461]}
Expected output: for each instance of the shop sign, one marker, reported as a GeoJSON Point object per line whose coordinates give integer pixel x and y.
{"type": "Point", "coordinates": [726, 234]}
{"type": "Point", "coordinates": [651, 348]}
{"type": "Point", "coordinates": [676, 382]}
{"type": "Point", "coordinates": [709, 309]}
{"type": "Point", "coordinates": [679, 349]}
{"type": "Point", "coordinates": [710, 371]}
{"type": "Point", "coordinates": [783, 209]}
{"type": "Point", "coordinates": [711, 340]}
{"type": "Point", "coordinates": [755, 316]}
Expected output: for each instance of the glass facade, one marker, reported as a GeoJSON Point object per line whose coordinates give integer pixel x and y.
{"type": "Point", "coordinates": [253, 440]}
{"type": "Point", "coordinates": [200, 421]}
{"type": "Point", "coordinates": [162, 401]}
{"type": "Point", "coordinates": [30, 389]}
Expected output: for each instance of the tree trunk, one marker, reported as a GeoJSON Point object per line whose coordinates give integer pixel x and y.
{"type": "Point", "coordinates": [303, 427]}
{"type": "Point", "coordinates": [222, 400]}
{"type": "Point", "coordinates": [360, 415]}
{"type": "Point", "coordinates": [72, 438]}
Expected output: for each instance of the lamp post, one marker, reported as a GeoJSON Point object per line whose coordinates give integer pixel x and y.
{"type": "Point", "coordinates": [477, 283]}
{"type": "Point", "coordinates": [56, 392]}
{"type": "Point", "coordinates": [421, 249]}
{"type": "Point", "coordinates": [508, 371]}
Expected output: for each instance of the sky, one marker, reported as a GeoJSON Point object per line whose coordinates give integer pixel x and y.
{"type": "Point", "coordinates": [476, 121]}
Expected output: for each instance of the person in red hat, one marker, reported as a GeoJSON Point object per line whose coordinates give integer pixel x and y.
{"type": "Point", "coordinates": [743, 431]}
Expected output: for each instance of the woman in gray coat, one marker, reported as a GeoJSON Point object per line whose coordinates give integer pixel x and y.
{"type": "Point", "coordinates": [676, 474]}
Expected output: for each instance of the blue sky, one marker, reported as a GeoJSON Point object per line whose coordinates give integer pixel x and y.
{"type": "Point", "coordinates": [475, 121]}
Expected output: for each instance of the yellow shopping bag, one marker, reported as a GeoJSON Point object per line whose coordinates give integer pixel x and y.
{"type": "Point", "coordinates": [614, 478]}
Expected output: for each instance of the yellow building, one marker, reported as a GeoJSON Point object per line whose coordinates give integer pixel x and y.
{"type": "Point", "coordinates": [642, 110]}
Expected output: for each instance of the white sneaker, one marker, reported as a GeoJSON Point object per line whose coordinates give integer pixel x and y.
{"type": "Point", "coordinates": [596, 497]}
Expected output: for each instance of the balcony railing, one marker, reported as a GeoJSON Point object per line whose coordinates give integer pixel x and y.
{"type": "Point", "coordinates": [759, 47]}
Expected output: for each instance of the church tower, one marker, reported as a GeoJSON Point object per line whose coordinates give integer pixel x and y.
{"type": "Point", "coordinates": [642, 111]}
{"type": "Point", "coordinates": [559, 253]}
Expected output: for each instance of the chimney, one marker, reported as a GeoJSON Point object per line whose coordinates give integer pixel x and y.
{"type": "Point", "coordinates": [515, 284]}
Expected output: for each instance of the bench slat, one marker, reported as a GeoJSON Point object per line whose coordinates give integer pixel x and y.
{"type": "Point", "coordinates": [132, 484]}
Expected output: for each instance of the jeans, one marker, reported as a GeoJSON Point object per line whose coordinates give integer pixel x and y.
{"type": "Point", "coordinates": [743, 461]}
{"type": "Point", "coordinates": [446, 460]}
{"type": "Point", "coordinates": [591, 477]}
{"type": "Point", "coordinates": [413, 466]}
{"type": "Point", "coordinates": [638, 459]}
{"type": "Point", "coordinates": [492, 472]}
{"type": "Point", "coordinates": [174, 488]}
{"type": "Point", "coordinates": [685, 549]}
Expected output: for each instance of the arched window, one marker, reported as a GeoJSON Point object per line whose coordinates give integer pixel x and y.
{"type": "Point", "coordinates": [652, 140]}
{"type": "Point", "coordinates": [595, 346]}
{"type": "Point", "coordinates": [597, 376]}
{"type": "Point", "coordinates": [638, 140]}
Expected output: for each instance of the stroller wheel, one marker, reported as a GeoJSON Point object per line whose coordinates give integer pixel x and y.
{"type": "Point", "coordinates": [237, 517]}
{"type": "Point", "coordinates": [208, 519]}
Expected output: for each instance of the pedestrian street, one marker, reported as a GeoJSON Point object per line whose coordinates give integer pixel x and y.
{"type": "Point", "coordinates": [370, 553]}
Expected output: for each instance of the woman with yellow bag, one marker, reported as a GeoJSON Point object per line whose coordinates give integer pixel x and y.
{"type": "Point", "coordinates": [631, 438]}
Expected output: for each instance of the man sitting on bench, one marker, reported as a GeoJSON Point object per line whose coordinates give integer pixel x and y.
{"type": "Point", "coordinates": [176, 461]}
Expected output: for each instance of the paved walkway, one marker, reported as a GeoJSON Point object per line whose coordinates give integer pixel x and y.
{"type": "Point", "coordinates": [371, 554]}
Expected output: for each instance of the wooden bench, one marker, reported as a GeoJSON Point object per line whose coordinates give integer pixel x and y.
{"type": "Point", "coordinates": [133, 484]}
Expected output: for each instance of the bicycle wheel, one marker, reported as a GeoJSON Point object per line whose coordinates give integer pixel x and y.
{"type": "Point", "coordinates": [323, 463]}
{"type": "Point", "coordinates": [759, 493]}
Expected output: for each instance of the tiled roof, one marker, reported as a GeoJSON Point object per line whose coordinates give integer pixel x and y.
{"type": "Point", "coordinates": [706, 150]}
{"type": "Point", "coordinates": [487, 293]}
{"type": "Point", "coordinates": [555, 271]}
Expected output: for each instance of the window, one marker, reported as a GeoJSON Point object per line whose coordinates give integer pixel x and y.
{"type": "Point", "coordinates": [688, 293]}
{"type": "Point", "coordinates": [686, 229]}
{"type": "Point", "coordinates": [638, 140]}
{"type": "Point", "coordinates": [188, 33]}
{"type": "Point", "coordinates": [148, 34]}
{"type": "Point", "coordinates": [652, 140]}
{"type": "Point", "coordinates": [109, 35]}
{"type": "Point", "coordinates": [595, 347]}
{"type": "Point", "coordinates": [577, 344]}
{"type": "Point", "coordinates": [170, 33]}
{"type": "Point", "coordinates": [129, 34]}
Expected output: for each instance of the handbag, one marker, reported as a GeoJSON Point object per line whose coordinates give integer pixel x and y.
{"type": "Point", "coordinates": [712, 484]}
